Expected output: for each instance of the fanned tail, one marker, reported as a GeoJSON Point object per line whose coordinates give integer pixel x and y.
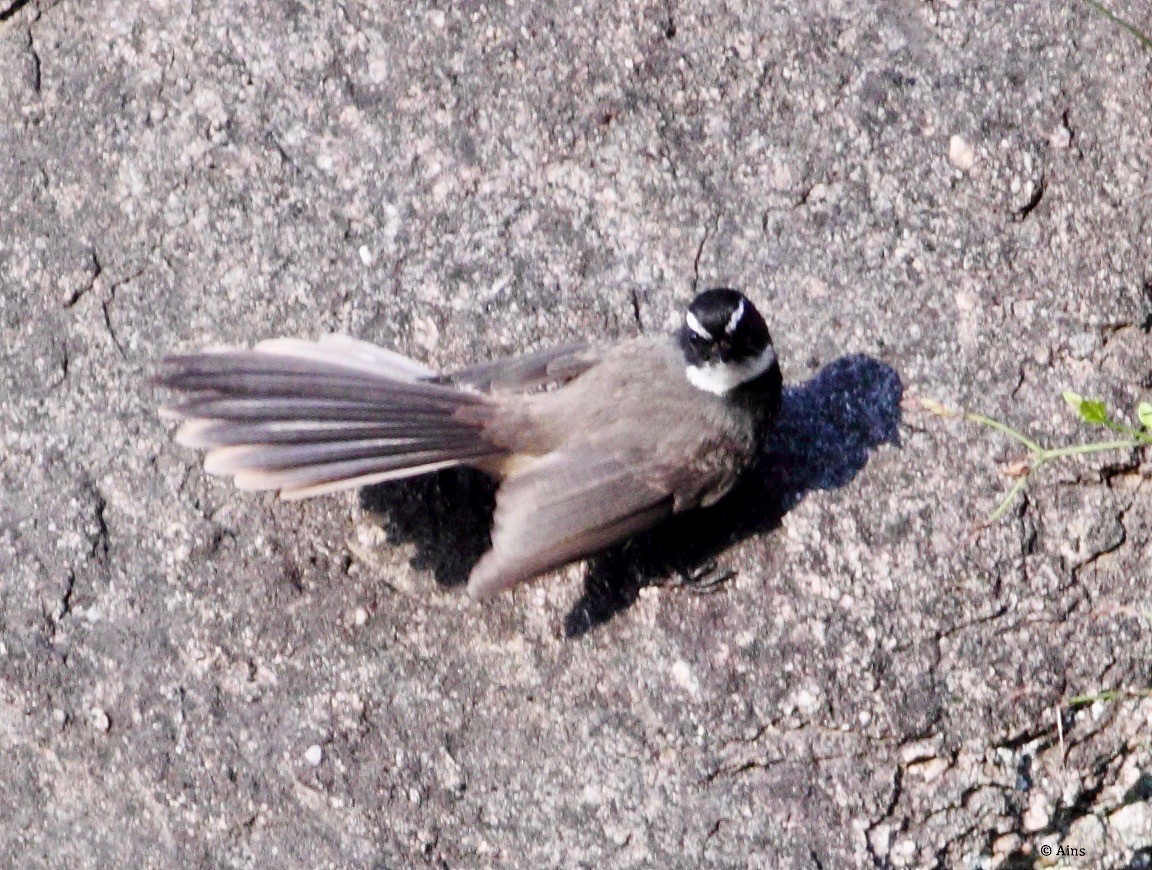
{"type": "Point", "coordinates": [307, 418]}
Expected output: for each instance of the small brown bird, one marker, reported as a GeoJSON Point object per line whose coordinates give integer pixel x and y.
{"type": "Point", "coordinates": [634, 433]}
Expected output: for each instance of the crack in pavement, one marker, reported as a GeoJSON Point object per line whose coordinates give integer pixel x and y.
{"type": "Point", "coordinates": [36, 65]}
{"type": "Point", "coordinates": [700, 253]}
{"type": "Point", "coordinates": [11, 11]}
{"type": "Point", "coordinates": [97, 269]}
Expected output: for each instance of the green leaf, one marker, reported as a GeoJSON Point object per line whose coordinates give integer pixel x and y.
{"type": "Point", "coordinates": [1090, 410]}
{"type": "Point", "coordinates": [1093, 411]}
{"type": "Point", "coordinates": [1144, 412]}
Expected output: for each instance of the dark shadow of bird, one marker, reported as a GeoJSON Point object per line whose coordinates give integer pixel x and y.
{"type": "Point", "coordinates": [826, 430]}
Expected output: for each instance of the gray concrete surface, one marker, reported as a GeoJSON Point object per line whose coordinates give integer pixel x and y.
{"type": "Point", "coordinates": [195, 677]}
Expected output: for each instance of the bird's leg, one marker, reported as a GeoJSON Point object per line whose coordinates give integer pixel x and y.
{"type": "Point", "coordinates": [702, 580]}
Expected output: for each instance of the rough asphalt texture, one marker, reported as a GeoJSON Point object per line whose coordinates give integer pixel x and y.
{"type": "Point", "coordinates": [190, 676]}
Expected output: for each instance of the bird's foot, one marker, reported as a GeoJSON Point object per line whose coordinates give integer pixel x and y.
{"type": "Point", "coordinates": [702, 580]}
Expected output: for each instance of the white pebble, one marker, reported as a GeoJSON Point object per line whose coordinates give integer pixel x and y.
{"type": "Point", "coordinates": [1061, 137]}
{"type": "Point", "coordinates": [1132, 824]}
{"type": "Point", "coordinates": [682, 674]}
{"type": "Point", "coordinates": [314, 754]}
{"type": "Point", "coordinates": [1036, 816]}
{"type": "Point", "coordinates": [961, 154]}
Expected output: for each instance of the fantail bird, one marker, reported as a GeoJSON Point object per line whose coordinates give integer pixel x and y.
{"type": "Point", "coordinates": [634, 433]}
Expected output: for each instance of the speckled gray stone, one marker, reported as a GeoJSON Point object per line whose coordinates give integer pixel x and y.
{"type": "Point", "coordinates": [874, 687]}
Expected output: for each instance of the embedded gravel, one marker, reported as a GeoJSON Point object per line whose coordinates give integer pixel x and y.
{"type": "Point", "coordinates": [927, 199]}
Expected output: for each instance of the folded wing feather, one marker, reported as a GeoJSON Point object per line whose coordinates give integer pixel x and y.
{"type": "Point", "coordinates": [567, 506]}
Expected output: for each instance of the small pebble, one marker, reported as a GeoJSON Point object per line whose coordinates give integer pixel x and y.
{"type": "Point", "coordinates": [1036, 816]}
{"type": "Point", "coordinates": [1132, 824]}
{"type": "Point", "coordinates": [314, 754]}
{"type": "Point", "coordinates": [932, 769]}
{"type": "Point", "coordinates": [682, 674]}
{"type": "Point", "coordinates": [880, 839]}
{"type": "Point", "coordinates": [1006, 844]}
{"type": "Point", "coordinates": [961, 154]}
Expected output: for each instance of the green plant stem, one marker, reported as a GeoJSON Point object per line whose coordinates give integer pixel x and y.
{"type": "Point", "coordinates": [1096, 447]}
{"type": "Point", "coordinates": [1005, 429]}
{"type": "Point", "coordinates": [1126, 431]}
{"type": "Point", "coordinates": [1008, 499]}
{"type": "Point", "coordinates": [1108, 695]}
{"type": "Point", "coordinates": [1115, 19]}
{"type": "Point", "coordinates": [1042, 455]}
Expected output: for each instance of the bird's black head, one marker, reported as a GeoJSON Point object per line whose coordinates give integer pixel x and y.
{"type": "Point", "coordinates": [726, 343]}
{"type": "Point", "coordinates": [723, 326]}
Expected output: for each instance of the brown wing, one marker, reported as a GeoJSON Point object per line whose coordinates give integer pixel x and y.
{"type": "Point", "coordinates": [566, 506]}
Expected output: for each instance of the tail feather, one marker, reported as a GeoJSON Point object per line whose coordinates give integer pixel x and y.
{"type": "Point", "coordinates": [270, 409]}
{"type": "Point", "coordinates": [254, 374]}
{"type": "Point", "coordinates": [275, 457]}
{"type": "Point", "coordinates": [312, 417]}
{"type": "Point", "coordinates": [209, 433]}
{"type": "Point", "coordinates": [350, 353]}
{"type": "Point", "coordinates": [312, 480]}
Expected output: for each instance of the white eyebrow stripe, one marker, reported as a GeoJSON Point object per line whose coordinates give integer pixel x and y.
{"type": "Point", "coordinates": [734, 320]}
{"type": "Point", "coordinates": [696, 326]}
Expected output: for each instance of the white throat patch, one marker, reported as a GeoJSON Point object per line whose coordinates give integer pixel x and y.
{"type": "Point", "coordinates": [720, 377]}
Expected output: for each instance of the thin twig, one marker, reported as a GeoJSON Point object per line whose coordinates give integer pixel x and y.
{"type": "Point", "coordinates": [1060, 731]}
